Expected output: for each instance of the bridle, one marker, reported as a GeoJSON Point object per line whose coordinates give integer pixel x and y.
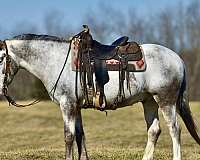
{"type": "Point", "coordinates": [7, 72]}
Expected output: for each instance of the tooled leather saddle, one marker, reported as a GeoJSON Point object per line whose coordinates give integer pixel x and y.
{"type": "Point", "coordinates": [97, 58]}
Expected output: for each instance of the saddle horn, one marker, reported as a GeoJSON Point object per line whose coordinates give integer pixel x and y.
{"type": "Point", "coordinates": [86, 28]}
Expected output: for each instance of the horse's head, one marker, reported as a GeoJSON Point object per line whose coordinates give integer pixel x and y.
{"type": "Point", "coordinates": [8, 68]}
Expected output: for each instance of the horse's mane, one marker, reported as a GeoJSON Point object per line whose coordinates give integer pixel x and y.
{"type": "Point", "coordinates": [38, 37]}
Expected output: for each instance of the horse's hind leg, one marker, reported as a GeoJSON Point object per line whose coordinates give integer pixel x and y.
{"type": "Point", "coordinates": [169, 113]}
{"type": "Point", "coordinates": [80, 138]}
{"type": "Point", "coordinates": [153, 126]}
{"type": "Point", "coordinates": [69, 113]}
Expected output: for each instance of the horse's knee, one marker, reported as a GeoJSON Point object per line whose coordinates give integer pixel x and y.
{"type": "Point", "coordinates": [69, 135]}
{"type": "Point", "coordinates": [154, 130]}
{"type": "Point", "coordinates": [69, 114]}
{"type": "Point", "coordinates": [68, 110]}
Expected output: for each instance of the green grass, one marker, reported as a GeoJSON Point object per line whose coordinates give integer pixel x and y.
{"type": "Point", "coordinates": [37, 133]}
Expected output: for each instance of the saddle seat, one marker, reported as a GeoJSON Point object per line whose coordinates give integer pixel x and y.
{"type": "Point", "coordinates": [120, 41]}
{"type": "Point", "coordinates": [104, 52]}
{"type": "Point", "coordinates": [119, 47]}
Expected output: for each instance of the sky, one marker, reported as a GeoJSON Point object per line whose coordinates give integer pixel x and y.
{"type": "Point", "coordinates": [16, 12]}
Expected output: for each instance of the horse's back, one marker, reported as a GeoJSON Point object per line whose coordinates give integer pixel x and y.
{"type": "Point", "coordinates": [160, 54]}
{"type": "Point", "coordinates": [164, 66]}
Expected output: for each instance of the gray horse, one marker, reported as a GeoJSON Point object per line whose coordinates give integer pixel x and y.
{"type": "Point", "coordinates": [162, 86]}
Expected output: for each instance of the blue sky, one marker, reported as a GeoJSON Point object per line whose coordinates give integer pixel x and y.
{"type": "Point", "coordinates": [14, 12]}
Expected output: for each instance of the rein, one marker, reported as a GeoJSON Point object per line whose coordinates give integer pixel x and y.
{"type": "Point", "coordinates": [7, 71]}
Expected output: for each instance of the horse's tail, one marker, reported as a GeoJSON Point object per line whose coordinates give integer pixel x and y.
{"type": "Point", "coordinates": [183, 109]}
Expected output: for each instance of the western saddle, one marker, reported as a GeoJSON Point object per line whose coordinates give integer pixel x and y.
{"type": "Point", "coordinates": [93, 57]}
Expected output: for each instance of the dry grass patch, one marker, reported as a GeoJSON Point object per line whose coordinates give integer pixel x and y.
{"type": "Point", "coordinates": [37, 133]}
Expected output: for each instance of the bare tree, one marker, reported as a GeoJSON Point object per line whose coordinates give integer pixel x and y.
{"type": "Point", "coordinates": [24, 27]}
{"type": "Point", "coordinates": [55, 24]}
{"type": "Point", "coordinates": [181, 34]}
{"type": "Point", "coordinates": [177, 28]}
{"type": "Point", "coordinates": [193, 31]}
{"type": "Point", "coordinates": [193, 24]}
{"type": "Point", "coordinates": [166, 29]}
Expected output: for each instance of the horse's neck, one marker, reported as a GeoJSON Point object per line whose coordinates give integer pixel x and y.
{"type": "Point", "coordinates": [44, 59]}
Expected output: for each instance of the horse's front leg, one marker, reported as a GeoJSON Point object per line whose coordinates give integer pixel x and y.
{"type": "Point", "coordinates": [80, 138]}
{"type": "Point", "coordinates": [68, 109]}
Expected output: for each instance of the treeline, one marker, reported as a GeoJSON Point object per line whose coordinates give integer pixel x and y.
{"type": "Point", "coordinates": [177, 28]}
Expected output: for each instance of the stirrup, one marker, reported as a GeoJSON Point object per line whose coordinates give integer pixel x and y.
{"type": "Point", "coordinates": [97, 101]}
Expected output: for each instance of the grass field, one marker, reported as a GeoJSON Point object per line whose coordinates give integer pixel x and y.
{"type": "Point", "coordinates": [37, 133]}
